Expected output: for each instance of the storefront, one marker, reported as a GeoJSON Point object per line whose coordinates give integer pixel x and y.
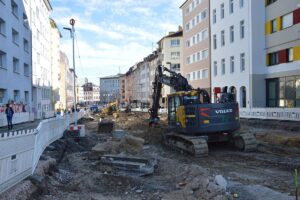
{"type": "Point", "coordinates": [283, 92]}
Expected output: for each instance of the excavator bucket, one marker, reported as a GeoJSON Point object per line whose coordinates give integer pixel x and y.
{"type": "Point", "coordinates": [105, 126]}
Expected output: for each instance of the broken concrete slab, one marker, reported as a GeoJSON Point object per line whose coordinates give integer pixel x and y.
{"type": "Point", "coordinates": [130, 165]}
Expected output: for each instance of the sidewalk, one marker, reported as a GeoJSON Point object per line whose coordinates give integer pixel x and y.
{"type": "Point", "coordinates": [22, 126]}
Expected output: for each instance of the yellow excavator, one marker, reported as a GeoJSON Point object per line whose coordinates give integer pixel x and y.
{"type": "Point", "coordinates": [111, 108]}
{"type": "Point", "coordinates": [193, 120]}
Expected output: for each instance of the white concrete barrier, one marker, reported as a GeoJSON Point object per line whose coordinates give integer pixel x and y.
{"type": "Point", "coordinates": [290, 114]}
{"type": "Point", "coordinates": [20, 151]}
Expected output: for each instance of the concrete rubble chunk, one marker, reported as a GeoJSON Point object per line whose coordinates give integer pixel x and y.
{"type": "Point", "coordinates": [221, 181]}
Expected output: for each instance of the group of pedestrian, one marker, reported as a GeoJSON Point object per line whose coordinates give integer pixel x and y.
{"type": "Point", "coordinates": [9, 111]}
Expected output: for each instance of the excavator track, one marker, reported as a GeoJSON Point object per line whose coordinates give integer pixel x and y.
{"type": "Point", "coordinates": [196, 146]}
{"type": "Point", "coordinates": [245, 142]}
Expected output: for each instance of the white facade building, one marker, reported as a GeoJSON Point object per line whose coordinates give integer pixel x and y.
{"type": "Point", "coordinates": [41, 60]}
{"type": "Point", "coordinates": [15, 53]}
{"type": "Point", "coordinates": [238, 49]}
{"type": "Point", "coordinates": [55, 63]}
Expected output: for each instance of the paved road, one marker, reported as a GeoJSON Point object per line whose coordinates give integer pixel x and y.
{"type": "Point", "coordinates": [27, 125]}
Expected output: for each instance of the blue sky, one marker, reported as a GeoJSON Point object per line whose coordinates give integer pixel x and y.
{"type": "Point", "coordinates": [113, 35]}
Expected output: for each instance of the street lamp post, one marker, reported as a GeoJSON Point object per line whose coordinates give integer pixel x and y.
{"type": "Point", "coordinates": [72, 31]}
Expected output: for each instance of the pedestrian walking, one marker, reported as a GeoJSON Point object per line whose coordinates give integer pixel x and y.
{"type": "Point", "coordinates": [9, 115]}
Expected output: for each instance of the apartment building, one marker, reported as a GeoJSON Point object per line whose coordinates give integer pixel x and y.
{"type": "Point", "coordinates": [128, 85]}
{"type": "Point", "coordinates": [91, 93]}
{"type": "Point", "coordinates": [282, 26]}
{"type": "Point", "coordinates": [153, 60]}
{"type": "Point", "coordinates": [122, 88]}
{"type": "Point", "coordinates": [15, 54]}
{"type": "Point", "coordinates": [41, 64]}
{"type": "Point", "coordinates": [55, 62]}
{"type": "Point", "coordinates": [238, 49]}
{"type": "Point", "coordinates": [170, 55]}
{"type": "Point", "coordinates": [110, 88]}
{"type": "Point", "coordinates": [64, 68]}
{"type": "Point", "coordinates": [196, 43]}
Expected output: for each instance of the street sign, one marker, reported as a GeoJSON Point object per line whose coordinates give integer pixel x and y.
{"type": "Point", "coordinates": [72, 22]}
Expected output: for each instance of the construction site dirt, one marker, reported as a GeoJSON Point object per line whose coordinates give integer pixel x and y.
{"type": "Point", "coordinates": [77, 173]}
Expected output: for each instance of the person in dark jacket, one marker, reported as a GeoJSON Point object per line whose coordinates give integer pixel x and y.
{"type": "Point", "coordinates": [9, 115]}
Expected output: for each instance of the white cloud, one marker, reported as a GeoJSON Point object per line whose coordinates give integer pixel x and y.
{"type": "Point", "coordinates": [115, 33]}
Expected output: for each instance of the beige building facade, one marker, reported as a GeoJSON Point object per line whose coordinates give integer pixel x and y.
{"type": "Point", "coordinates": [170, 55]}
{"type": "Point", "coordinates": [196, 43]}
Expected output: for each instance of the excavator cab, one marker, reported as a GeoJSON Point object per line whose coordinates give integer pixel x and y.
{"type": "Point", "coordinates": [191, 113]}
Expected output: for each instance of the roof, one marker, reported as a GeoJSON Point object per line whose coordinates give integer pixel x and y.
{"type": "Point", "coordinates": [54, 26]}
{"type": "Point", "coordinates": [112, 76]}
{"type": "Point", "coordinates": [183, 3]}
{"type": "Point", "coordinates": [176, 34]}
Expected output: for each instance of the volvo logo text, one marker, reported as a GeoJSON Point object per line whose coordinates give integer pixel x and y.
{"type": "Point", "coordinates": [224, 111]}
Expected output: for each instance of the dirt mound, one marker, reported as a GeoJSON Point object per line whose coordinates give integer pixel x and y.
{"type": "Point", "coordinates": [128, 144]}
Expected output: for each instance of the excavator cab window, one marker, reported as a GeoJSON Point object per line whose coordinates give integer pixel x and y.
{"type": "Point", "coordinates": [173, 104]}
{"type": "Point", "coordinates": [190, 100]}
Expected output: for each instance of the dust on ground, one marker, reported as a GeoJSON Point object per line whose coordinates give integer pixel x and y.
{"type": "Point", "coordinates": [225, 174]}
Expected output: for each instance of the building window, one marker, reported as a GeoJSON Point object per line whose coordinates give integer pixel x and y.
{"type": "Point", "coordinates": [2, 95]}
{"type": "Point", "coordinates": [16, 95]}
{"type": "Point", "coordinates": [14, 8]}
{"type": "Point", "coordinates": [243, 97]}
{"type": "Point", "coordinates": [187, 26]}
{"type": "Point", "coordinates": [215, 68]}
{"type": "Point", "coordinates": [188, 77]}
{"type": "Point", "coordinates": [270, 1]}
{"type": "Point", "coordinates": [214, 16]}
{"type": "Point", "coordinates": [283, 92]}
{"type": "Point", "coordinates": [204, 34]}
{"type": "Point", "coordinates": [2, 59]}
{"type": "Point", "coordinates": [15, 36]}
{"type": "Point", "coordinates": [2, 26]}
{"type": "Point", "coordinates": [222, 38]}
{"type": "Point", "coordinates": [287, 20]}
{"type": "Point", "coordinates": [188, 60]}
{"type": "Point", "coordinates": [26, 97]}
{"type": "Point", "coordinates": [175, 55]}
{"type": "Point", "coordinates": [243, 62]}
{"type": "Point", "coordinates": [25, 20]}
{"type": "Point", "coordinates": [188, 43]}
{"type": "Point", "coordinates": [198, 56]}
{"type": "Point", "coordinates": [231, 34]}
{"type": "Point", "coordinates": [241, 3]}
{"type": "Point", "coordinates": [194, 75]}
{"type": "Point", "coordinates": [231, 6]}
{"type": "Point", "coordinates": [26, 69]}
{"type": "Point", "coordinates": [232, 64]}
{"type": "Point", "coordinates": [222, 11]}
{"type": "Point", "coordinates": [203, 14]}
{"type": "Point", "coordinates": [274, 25]}
{"type": "Point", "coordinates": [204, 54]}
{"type": "Point", "coordinates": [199, 75]}
{"type": "Point", "coordinates": [242, 29]}
{"type": "Point", "coordinates": [223, 66]}
{"type": "Point", "coordinates": [215, 41]}
{"type": "Point", "coordinates": [290, 55]}
{"type": "Point", "coordinates": [204, 73]}
{"type": "Point", "coordinates": [274, 58]}
{"type": "Point", "coordinates": [25, 44]}
{"type": "Point", "coordinates": [16, 67]}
